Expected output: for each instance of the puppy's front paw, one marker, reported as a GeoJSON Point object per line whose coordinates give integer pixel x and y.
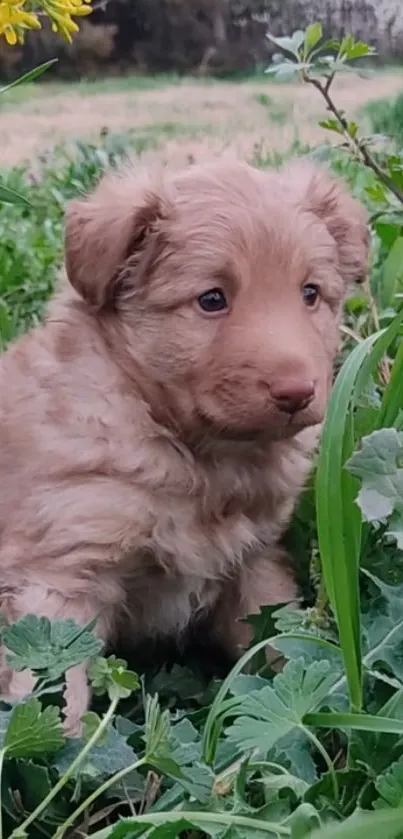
{"type": "Point", "coordinates": [77, 699]}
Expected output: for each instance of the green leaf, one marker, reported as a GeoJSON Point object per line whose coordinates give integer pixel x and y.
{"type": "Point", "coordinates": [48, 649]}
{"type": "Point", "coordinates": [289, 44]}
{"type": "Point", "coordinates": [313, 35]}
{"type": "Point", "coordinates": [11, 196]}
{"type": "Point", "coordinates": [387, 825]}
{"type": "Point", "coordinates": [157, 728]}
{"type": "Point", "coordinates": [102, 761]}
{"type": "Point", "coordinates": [389, 785]}
{"type": "Point", "coordinates": [110, 675]}
{"type": "Point", "coordinates": [218, 825]}
{"type": "Point", "coordinates": [351, 49]}
{"type": "Point", "coordinates": [383, 627]}
{"type": "Point", "coordinates": [266, 716]}
{"type": "Point", "coordinates": [304, 819]}
{"type": "Point", "coordinates": [378, 465]}
{"type": "Point", "coordinates": [332, 125]}
{"type": "Point", "coordinates": [30, 76]}
{"type": "Point", "coordinates": [33, 732]}
{"type": "Point", "coordinates": [359, 722]}
{"type": "Point", "coordinates": [392, 274]}
{"type": "Point", "coordinates": [285, 70]}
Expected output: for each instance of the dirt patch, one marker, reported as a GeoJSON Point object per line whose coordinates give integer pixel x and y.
{"type": "Point", "coordinates": [185, 120]}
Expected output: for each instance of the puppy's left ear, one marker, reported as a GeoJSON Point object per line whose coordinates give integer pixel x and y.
{"type": "Point", "coordinates": [117, 222]}
{"type": "Point", "coordinates": [344, 217]}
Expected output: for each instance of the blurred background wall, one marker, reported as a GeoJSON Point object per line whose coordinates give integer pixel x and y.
{"type": "Point", "coordinates": [199, 36]}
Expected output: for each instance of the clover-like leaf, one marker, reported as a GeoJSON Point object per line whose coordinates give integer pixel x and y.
{"type": "Point", "coordinates": [49, 649]}
{"type": "Point", "coordinates": [32, 731]}
{"type": "Point", "coordinates": [379, 466]}
{"type": "Point", "coordinates": [267, 715]}
{"type": "Point", "coordinates": [110, 675]}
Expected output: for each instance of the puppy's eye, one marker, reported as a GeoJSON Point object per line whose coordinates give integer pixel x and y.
{"type": "Point", "coordinates": [310, 294]}
{"type": "Point", "coordinates": [213, 300]}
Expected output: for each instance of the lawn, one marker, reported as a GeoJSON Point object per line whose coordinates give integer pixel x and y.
{"type": "Point", "coordinates": [174, 752]}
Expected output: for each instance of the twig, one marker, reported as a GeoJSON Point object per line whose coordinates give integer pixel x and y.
{"type": "Point", "coordinates": [358, 146]}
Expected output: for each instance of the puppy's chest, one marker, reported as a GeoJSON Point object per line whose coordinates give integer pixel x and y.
{"type": "Point", "coordinates": [208, 534]}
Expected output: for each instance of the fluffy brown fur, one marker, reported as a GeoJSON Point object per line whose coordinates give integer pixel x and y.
{"type": "Point", "coordinates": [150, 455]}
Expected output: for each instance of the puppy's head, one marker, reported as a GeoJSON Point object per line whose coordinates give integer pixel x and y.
{"type": "Point", "coordinates": [225, 285]}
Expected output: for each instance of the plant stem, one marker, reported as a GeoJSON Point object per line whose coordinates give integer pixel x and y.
{"type": "Point", "coordinates": [357, 145]}
{"type": "Point", "coordinates": [2, 756]}
{"type": "Point", "coordinates": [326, 758]}
{"type": "Point", "coordinates": [199, 818]}
{"type": "Point", "coordinates": [69, 772]}
{"type": "Point", "coordinates": [94, 795]}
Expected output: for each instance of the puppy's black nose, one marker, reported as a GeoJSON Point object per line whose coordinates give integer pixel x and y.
{"type": "Point", "coordinates": [292, 395]}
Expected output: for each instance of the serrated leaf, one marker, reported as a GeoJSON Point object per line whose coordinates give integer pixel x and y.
{"type": "Point", "coordinates": [378, 466]}
{"type": "Point", "coordinates": [389, 785]}
{"type": "Point", "coordinates": [267, 715]}
{"type": "Point", "coordinates": [32, 732]}
{"type": "Point", "coordinates": [49, 649]}
{"type": "Point", "coordinates": [383, 627]}
{"type": "Point", "coordinates": [157, 728]}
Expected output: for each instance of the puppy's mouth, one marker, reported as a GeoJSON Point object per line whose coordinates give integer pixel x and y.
{"type": "Point", "coordinates": [282, 427]}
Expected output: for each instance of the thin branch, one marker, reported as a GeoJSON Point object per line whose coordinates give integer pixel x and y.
{"type": "Point", "coordinates": [358, 146]}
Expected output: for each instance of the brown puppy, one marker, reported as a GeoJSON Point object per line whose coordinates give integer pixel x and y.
{"type": "Point", "coordinates": [155, 432]}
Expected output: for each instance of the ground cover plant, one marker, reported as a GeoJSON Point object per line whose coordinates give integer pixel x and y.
{"type": "Point", "coordinates": [317, 750]}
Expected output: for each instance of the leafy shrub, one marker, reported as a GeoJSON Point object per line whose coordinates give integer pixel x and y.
{"type": "Point", "coordinates": [387, 117]}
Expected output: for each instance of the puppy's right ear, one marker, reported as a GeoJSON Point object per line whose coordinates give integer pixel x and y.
{"type": "Point", "coordinates": [104, 230]}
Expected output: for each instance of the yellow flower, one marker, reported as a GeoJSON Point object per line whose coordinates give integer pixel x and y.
{"type": "Point", "coordinates": [15, 19]}
{"type": "Point", "coordinates": [16, 16]}
{"type": "Point", "coordinates": [61, 13]}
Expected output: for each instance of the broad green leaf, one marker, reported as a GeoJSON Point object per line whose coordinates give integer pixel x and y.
{"type": "Point", "coordinates": [266, 716]}
{"type": "Point", "coordinates": [338, 527]}
{"type": "Point", "coordinates": [350, 49]}
{"type": "Point", "coordinates": [378, 466]}
{"type": "Point", "coordinates": [49, 649]}
{"type": "Point", "coordinates": [285, 70]}
{"type": "Point", "coordinates": [32, 731]}
{"type": "Point", "coordinates": [102, 761]}
{"type": "Point", "coordinates": [389, 786]}
{"type": "Point", "coordinates": [289, 44]}
{"type": "Point", "coordinates": [385, 825]}
{"type": "Point", "coordinates": [392, 274]}
{"type": "Point", "coordinates": [303, 821]}
{"type": "Point", "coordinates": [383, 627]}
{"type": "Point", "coordinates": [196, 779]}
{"type": "Point", "coordinates": [313, 35]}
